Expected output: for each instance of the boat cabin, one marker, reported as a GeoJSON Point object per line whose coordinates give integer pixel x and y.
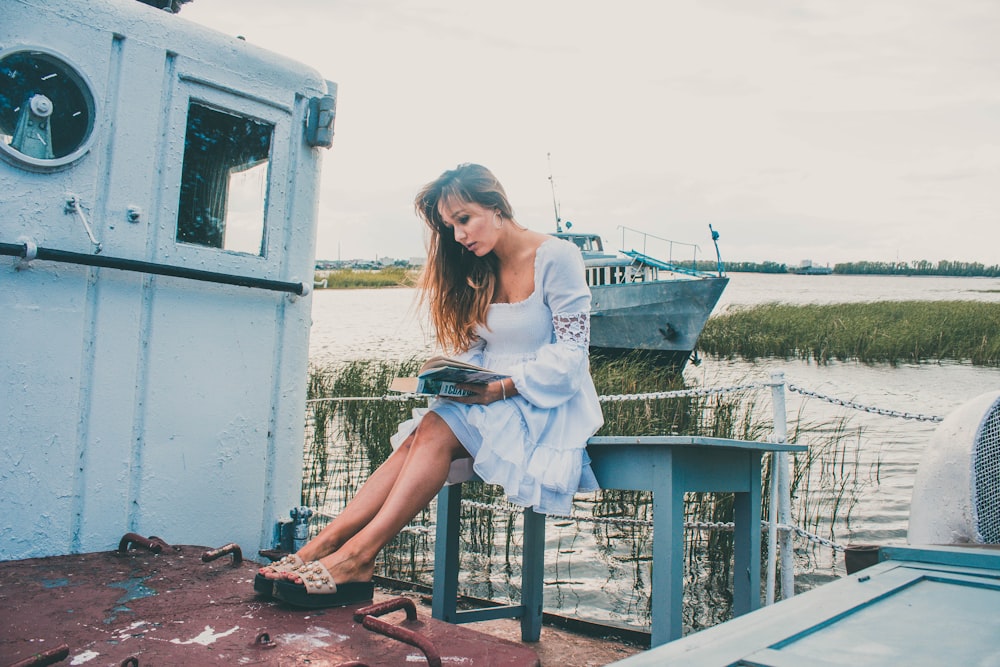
{"type": "Point", "coordinates": [158, 199]}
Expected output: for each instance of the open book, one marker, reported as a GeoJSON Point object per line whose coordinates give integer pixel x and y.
{"type": "Point", "coordinates": [440, 375]}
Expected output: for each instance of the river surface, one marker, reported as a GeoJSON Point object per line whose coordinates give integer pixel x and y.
{"type": "Point", "coordinates": [882, 452]}
{"type": "Point", "coordinates": [383, 323]}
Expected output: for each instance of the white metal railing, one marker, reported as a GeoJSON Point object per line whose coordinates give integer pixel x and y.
{"type": "Point", "coordinates": [645, 250]}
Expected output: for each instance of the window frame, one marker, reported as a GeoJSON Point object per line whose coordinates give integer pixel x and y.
{"type": "Point", "coordinates": [192, 90]}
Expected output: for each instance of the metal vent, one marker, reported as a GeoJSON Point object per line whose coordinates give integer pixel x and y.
{"type": "Point", "coordinates": [986, 485]}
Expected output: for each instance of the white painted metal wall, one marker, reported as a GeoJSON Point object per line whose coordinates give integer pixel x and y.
{"type": "Point", "coordinates": [139, 403]}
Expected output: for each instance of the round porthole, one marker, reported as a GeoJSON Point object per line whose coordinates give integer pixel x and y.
{"type": "Point", "coordinates": [47, 109]}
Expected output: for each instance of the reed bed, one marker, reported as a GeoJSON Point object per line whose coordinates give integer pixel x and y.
{"type": "Point", "coordinates": [880, 332]}
{"type": "Point", "coordinates": [346, 440]}
{"type": "Point", "coordinates": [390, 276]}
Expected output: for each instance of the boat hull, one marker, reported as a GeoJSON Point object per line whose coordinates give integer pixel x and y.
{"type": "Point", "coordinates": [661, 317]}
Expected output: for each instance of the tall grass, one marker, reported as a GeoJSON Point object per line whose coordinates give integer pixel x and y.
{"type": "Point", "coordinates": [886, 331]}
{"type": "Point", "coordinates": [346, 440]}
{"type": "Point", "coordinates": [390, 276]}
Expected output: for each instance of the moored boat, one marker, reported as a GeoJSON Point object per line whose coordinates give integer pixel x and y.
{"type": "Point", "coordinates": [645, 303]}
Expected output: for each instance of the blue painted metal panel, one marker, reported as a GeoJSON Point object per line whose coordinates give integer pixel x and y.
{"type": "Point", "coordinates": [920, 606]}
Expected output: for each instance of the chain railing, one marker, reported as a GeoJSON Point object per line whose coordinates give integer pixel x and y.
{"type": "Point", "coordinates": [509, 508]}
{"type": "Point", "coordinates": [779, 515]}
{"type": "Point", "coordinates": [864, 408]}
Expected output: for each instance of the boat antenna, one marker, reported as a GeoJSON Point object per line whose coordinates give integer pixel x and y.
{"type": "Point", "coordinates": [718, 255]}
{"type": "Point", "coordinates": [555, 202]}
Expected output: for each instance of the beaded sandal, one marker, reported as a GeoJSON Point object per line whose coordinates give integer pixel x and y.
{"type": "Point", "coordinates": [290, 563]}
{"type": "Point", "coordinates": [318, 589]}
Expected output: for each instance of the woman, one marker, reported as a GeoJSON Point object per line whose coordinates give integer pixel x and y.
{"type": "Point", "coordinates": [500, 296]}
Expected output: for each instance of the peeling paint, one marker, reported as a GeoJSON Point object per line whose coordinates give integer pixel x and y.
{"type": "Point", "coordinates": [420, 658]}
{"type": "Point", "coordinates": [314, 637]}
{"type": "Point", "coordinates": [209, 636]}
{"type": "Point", "coordinates": [83, 657]}
{"type": "Point", "coordinates": [134, 589]}
{"type": "Point", "coordinates": [54, 583]}
{"type": "Point", "coordinates": [189, 615]}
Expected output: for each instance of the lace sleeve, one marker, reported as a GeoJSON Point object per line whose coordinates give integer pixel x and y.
{"type": "Point", "coordinates": [572, 328]}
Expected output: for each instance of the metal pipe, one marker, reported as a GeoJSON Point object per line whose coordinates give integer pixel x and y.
{"type": "Point", "coordinates": [122, 264]}
{"type": "Point", "coordinates": [772, 533]}
{"type": "Point", "coordinates": [782, 475]}
{"type": "Point", "coordinates": [148, 543]}
{"type": "Point", "coordinates": [43, 658]}
{"type": "Point", "coordinates": [231, 548]}
{"type": "Point", "coordinates": [367, 618]}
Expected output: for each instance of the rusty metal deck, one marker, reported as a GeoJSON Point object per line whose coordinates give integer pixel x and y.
{"type": "Point", "coordinates": [140, 608]}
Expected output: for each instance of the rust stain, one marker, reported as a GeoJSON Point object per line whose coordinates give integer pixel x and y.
{"type": "Point", "coordinates": [172, 608]}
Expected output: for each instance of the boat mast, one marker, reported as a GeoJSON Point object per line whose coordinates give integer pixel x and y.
{"type": "Point", "coordinates": [555, 202]}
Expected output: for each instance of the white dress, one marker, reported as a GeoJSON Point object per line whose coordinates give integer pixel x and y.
{"type": "Point", "coordinates": [533, 444]}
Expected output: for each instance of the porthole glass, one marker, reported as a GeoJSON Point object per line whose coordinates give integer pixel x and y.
{"type": "Point", "coordinates": [46, 109]}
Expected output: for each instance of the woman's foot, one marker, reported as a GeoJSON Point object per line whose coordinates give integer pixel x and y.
{"type": "Point", "coordinates": [319, 589]}
{"type": "Point", "coordinates": [263, 583]}
{"type": "Point", "coordinates": [341, 567]}
{"type": "Point", "coordinates": [315, 549]}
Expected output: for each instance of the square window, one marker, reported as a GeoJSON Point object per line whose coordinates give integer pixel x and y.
{"type": "Point", "coordinates": [224, 180]}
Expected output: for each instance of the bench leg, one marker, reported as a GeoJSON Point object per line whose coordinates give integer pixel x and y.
{"type": "Point", "coordinates": [746, 542]}
{"type": "Point", "coordinates": [667, 583]}
{"type": "Point", "coordinates": [444, 596]}
{"type": "Point", "coordinates": [532, 572]}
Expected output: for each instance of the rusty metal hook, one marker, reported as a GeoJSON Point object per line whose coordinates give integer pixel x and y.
{"type": "Point", "coordinates": [383, 608]}
{"type": "Point", "coordinates": [148, 543]}
{"type": "Point", "coordinates": [160, 541]}
{"type": "Point", "coordinates": [366, 616]}
{"type": "Point", "coordinates": [231, 548]}
{"type": "Point", "coordinates": [50, 657]}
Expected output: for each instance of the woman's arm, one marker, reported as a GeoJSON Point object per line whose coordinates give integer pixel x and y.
{"type": "Point", "coordinates": [560, 368]}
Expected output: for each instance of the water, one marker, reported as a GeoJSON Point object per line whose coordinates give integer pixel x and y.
{"type": "Point", "coordinates": [383, 323]}
{"type": "Point", "coordinates": [884, 452]}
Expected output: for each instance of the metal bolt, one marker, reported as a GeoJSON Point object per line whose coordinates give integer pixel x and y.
{"type": "Point", "coordinates": [40, 106]}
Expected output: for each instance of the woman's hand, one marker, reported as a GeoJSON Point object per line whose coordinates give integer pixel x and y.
{"type": "Point", "coordinates": [484, 394]}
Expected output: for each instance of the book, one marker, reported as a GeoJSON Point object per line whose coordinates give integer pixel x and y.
{"type": "Point", "coordinates": [440, 375]}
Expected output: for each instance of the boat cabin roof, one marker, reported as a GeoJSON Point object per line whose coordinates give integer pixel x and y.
{"type": "Point", "coordinates": [585, 242]}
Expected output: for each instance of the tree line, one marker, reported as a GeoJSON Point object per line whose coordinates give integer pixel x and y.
{"type": "Point", "coordinates": [921, 267]}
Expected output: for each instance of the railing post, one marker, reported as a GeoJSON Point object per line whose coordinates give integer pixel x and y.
{"type": "Point", "coordinates": [780, 501]}
{"type": "Point", "coordinates": [772, 503]}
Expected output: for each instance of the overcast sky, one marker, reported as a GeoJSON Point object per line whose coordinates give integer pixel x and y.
{"type": "Point", "coordinates": [830, 130]}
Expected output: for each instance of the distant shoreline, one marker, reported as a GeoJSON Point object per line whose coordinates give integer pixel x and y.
{"type": "Point", "coordinates": [399, 276]}
{"type": "Point", "coordinates": [943, 268]}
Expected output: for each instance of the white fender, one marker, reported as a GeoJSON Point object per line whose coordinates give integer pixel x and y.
{"type": "Point", "coordinates": [956, 493]}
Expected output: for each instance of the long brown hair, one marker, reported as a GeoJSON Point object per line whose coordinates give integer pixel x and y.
{"type": "Point", "coordinates": [457, 286]}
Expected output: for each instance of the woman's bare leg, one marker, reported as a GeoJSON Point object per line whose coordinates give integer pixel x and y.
{"type": "Point", "coordinates": [358, 512]}
{"type": "Point", "coordinates": [426, 458]}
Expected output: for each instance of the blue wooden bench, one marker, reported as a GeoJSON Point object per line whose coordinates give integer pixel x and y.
{"type": "Point", "coordinates": [668, 466]}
